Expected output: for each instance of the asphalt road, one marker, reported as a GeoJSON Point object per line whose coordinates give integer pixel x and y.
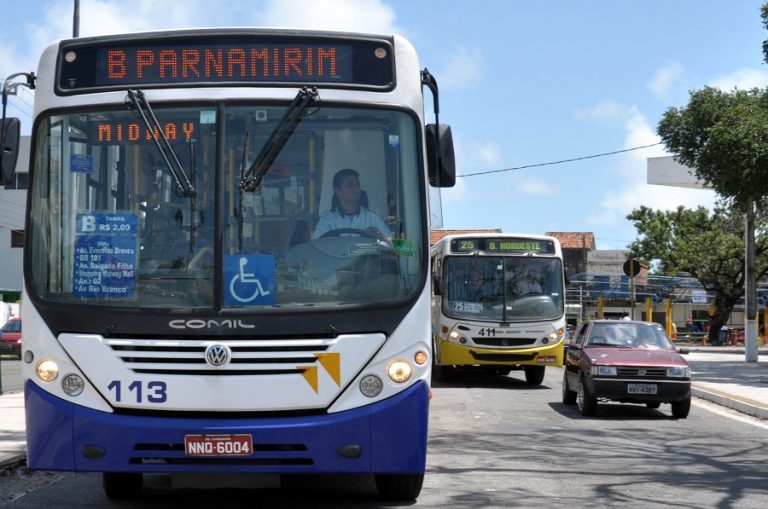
{"type": "Point", "coordinates": [10, 374]}
{"type": "Point", "coordinates": [496, 442]}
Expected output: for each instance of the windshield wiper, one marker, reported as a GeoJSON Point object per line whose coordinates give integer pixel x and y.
{"type": "Point", "coordinates": [251, 179]}
{"type": "Point", "coordinates": [184, 186]}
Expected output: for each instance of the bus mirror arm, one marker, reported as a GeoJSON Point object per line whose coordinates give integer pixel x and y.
{"type": "Point", "coordinates": [441, 162]}
{"type": "Point", "coordinates": [10, 128]}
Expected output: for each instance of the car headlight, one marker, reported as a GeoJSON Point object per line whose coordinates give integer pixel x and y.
{"type": "Point", "coordinates": [679, 372]}
{"type": "Point", "coordinates": [603, 370]}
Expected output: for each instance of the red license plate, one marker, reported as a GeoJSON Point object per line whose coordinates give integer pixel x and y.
{"type": "Point", "coordinates": [218, 445]}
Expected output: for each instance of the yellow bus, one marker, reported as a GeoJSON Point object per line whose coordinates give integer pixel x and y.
{"type": "Point", "coordinates": [498, 303]}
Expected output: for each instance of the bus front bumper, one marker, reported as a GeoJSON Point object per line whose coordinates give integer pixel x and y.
{"type": "Point", "coordinates": [452, 354]}
{"type": "Point", "coordinates": [388, 437]}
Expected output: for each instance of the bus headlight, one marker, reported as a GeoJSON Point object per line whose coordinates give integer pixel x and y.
{"type": "Point", "coordinates": [371, 386]}
{"type": "Point", "coordinates": [420, 358]}
{"type": "Point", "coordinates": [399, 371]}
{"type": "Point", "coordinates": [73, 384]}
{"type": "Point", "coordinates": [454, 335]}
{"type": "Point", "coordinates": [47, 370]}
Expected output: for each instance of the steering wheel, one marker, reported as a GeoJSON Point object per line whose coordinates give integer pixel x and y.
{"type": "Point", "coordinates": [344, 231]}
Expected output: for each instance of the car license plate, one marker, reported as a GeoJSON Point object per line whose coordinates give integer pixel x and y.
{"type": "Point", "coordinates": [218, 445]}
{"type": "Point", "coordinates": [642, 388]}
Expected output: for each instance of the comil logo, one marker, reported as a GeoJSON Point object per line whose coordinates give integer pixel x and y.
{"type": "Point", "coordinates": [210, 324]}
{"type": "Point", "coordinates": [218, 355]}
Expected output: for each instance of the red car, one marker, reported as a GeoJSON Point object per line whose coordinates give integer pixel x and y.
{"type": "Point", "coordinates": [10, 336]}
{"type": "Point", "coordinates": [627, 362]}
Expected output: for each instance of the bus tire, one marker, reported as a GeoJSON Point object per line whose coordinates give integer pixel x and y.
{"type": "Point", "coordinates": [122, 486]}
{"type": "Point", "coordinates": [403, 487]}
{"type": "Point", "coordinates": [442, 374]}
{"type": "Point", "coordinates": [534, 375]}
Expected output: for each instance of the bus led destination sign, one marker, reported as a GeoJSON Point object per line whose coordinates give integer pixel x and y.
{"type": "Point", "coordinates": [141, 63]}
{"type": "Point", "coordinates": [504, 245]}
{"type": "Point", "coordinates": [227, 63]}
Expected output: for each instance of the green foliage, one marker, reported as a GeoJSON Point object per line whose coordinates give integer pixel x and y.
{"type": "Point", "coordinates": [764, 15]}
{"type": "Point", "coordinates": [723, 137]}
{"type": "Point", "coordinates": [708, 246]}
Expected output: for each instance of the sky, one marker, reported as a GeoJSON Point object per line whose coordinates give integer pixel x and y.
{"type": "Point", "coordinates": [521, 83]}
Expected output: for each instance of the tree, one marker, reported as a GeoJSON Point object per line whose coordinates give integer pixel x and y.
{"type": "Point", "coordinates": [707, 246]}
{"type": "Point", "coordinates": [723, 136]}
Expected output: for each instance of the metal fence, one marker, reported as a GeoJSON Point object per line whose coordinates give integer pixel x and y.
{"type": "Point", "coordinates": [10, 373]}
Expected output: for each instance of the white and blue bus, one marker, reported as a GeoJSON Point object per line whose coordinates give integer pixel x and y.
{"type": "Point", "coordinates": [498, 304]}
{"type": "Point", "coordinates": [180, 314]}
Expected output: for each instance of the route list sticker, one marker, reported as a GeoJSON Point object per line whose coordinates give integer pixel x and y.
{"type": "Point", "coordinates": [105, 255]}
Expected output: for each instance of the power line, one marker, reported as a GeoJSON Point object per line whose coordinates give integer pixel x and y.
{"type": "Point", "coordinates": [561, 161]}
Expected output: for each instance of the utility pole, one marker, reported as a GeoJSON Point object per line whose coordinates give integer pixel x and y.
{"type": "Point", "coordinates": [750, 295]}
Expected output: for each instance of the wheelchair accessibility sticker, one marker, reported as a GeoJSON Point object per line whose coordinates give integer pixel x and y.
{"type": "Point", "coordinates": [249, 280]}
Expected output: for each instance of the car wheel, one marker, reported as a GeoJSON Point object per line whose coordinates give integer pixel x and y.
{"type": "Point", "coordinates": [534, 375]}
{"type": "Point", "coordinates": [122, 486]}
{"type": "Point", "coordinates": [402, 487]}
{"type": "Point", "coordinates": [586, 402]}
{"type": "Point", "coordinates": [569, 396]}
{"type": "Point", "coordinates": [680, 409]}
{"type": "Point", "coordinates": [653, 404]}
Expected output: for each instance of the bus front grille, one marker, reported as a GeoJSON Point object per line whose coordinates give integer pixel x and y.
{"type": "Point", "coordinates": [503, 341]}
{"type": "Point", "coordinates": [503, 357]}
{"type": "Point", "coordinates": [248, 357]}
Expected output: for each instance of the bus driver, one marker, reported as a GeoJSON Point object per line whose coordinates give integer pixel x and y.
{"type": "Point", "coordinates": [349, 209]}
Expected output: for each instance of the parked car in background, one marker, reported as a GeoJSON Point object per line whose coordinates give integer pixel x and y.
{"type": "Point", "coordinates": [10, 336]}
{"type": "Point", "coordinates": [627, 362]}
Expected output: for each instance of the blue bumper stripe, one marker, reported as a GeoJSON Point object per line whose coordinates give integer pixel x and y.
{"type": "Point", "coordinates": [392, 436]}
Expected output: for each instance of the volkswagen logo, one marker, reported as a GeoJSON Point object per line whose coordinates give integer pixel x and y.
{"type": "Point", "coordinates": [218, 354]}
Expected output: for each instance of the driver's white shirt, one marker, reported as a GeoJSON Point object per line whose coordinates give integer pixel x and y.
{"type": "Point", "coordinates": [364, 219]}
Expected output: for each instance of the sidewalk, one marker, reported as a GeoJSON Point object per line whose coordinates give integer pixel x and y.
{"type": "Point", "coordinates": [13, 447]}
{"type": "Point", "coordinates": [720, 375]}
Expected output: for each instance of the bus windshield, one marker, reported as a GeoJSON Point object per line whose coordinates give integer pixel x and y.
{"type": "Point", "coordinates": [503, 289]}
{"type": "Point", "coordinates": [110, 225]}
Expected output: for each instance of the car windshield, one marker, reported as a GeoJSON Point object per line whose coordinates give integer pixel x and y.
{"type": "Point", "coordinates": [503, 288]}
{"type": "Point", "coordinates": [628, 335]}
{"type": "Point", "coordinates": [110, 224]}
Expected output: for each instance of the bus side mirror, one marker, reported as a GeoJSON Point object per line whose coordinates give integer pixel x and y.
{"type": "Point", "coordinates": [436, 286]}
{"type": "Point", "coordinates": [441, 161]}
{"type": "Point", "coordinates": [10, 131]}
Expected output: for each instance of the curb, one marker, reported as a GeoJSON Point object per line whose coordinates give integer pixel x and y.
{"type": "Point", "coordinates": [740, 404]}
{"type": "Point", "coordinates": [13, 462]}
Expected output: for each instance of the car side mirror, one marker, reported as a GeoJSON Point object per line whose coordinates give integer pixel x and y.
{"type": "Point", "coordinates": [683, 351]}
